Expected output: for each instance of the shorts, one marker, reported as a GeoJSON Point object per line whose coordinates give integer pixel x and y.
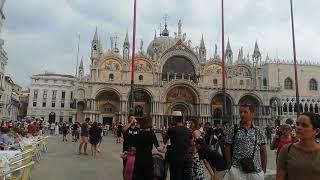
{"type": "Point", "coordinates": [84, 139]}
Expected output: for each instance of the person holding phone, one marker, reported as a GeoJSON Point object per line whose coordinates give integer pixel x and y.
{"type": "Point", "coordinates": [130, 131]}
{"type": "Point", "coordinates": [283, 137]}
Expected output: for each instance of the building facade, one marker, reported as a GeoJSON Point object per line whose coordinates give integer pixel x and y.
{"type": "Point", "coordinates": [51, 98]}
{"type": "Point", "coordinates": [10, 105]}
{"type": "Point", "coordinates": [173, 75]}
{"type": "Point", "coordinates": [3, 64]}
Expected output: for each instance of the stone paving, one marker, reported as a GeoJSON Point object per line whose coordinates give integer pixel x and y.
{"type": "Point", "coordinates": [62, 162]}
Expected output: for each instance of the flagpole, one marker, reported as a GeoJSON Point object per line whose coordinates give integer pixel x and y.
{"type": "Point", "coordinates": [295, 61]}
{"type": "Point", "coordinates": [133, 57]}
{"type": "Point", "coordinates": [78, 55]}
{"type": "Point", "coordinates": [224, 108]}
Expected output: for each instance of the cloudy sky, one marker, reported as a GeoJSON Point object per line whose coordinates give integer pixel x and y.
{"type": "Point", "coordinates": [42, 35]}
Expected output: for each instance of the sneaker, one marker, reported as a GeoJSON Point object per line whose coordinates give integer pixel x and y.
{"type": "Point", "coordinates": [85, 153]}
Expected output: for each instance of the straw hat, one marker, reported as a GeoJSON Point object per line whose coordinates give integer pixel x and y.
{"type": "Point", "coordinates": [176, 113]}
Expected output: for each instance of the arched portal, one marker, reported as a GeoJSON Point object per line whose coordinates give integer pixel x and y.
{"type": "Point", "coordinates": [217, 108]}
{"type": "Point", "coordinates": [107, 102]}
{"type": "Point", "coordinates": [251, 100]}
{"type": "Point", "coordinates": [181, 98]}
{"type": "Point", "coordinates": [142, 103]}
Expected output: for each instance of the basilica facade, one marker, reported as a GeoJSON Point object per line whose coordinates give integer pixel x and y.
{"type": "Point", "coordinates": [172, 75]}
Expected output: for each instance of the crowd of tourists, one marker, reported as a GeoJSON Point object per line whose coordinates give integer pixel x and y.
{"type": "Point", "coordinates": [188, 149]}
{"type": "Point", "coordinates": [235, 153]}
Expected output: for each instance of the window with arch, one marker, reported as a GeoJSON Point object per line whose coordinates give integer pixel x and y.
{"type": "Point", "coordinates": [140, 78]}
{"type": "Point", "coordinates": [290, 107]}
{"type": "Point", "coordinates": [311, 108]}
{"type": "Point", "coordinates": [215, 82]}
{"type": "Point", "coordinates": [313, 85]}
{"type": "Point", "coordinates": [111, 77]}
{"type": "Point", "coordinates": [288, 83]}
{"type": "Point", "coordinates": [264, 82]}
{"type": "Point", "coordinates": [285, 107]}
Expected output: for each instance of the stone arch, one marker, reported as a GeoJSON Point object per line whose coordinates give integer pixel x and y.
{"type": "Point", "coordinates": [216, 104]}
{"type": "Point", "coordinates": [184, 95]}
{"type": "Point", "coordinates": [188, 55]}
{"type": "Point", "coordinates": [250, 98]}
{"type": "Point", "coordinates": [108, 99]}
{"type": "Point", "coordinates": [104, 89]}
{"type": "Point", "coordinates": [143, 99]}
{"type": "Point", "coordinates": [253, 100]}
{"type": "Point", "coordinates": [185, 108]}
{"type": "Point", "coordinates": [146, 90]}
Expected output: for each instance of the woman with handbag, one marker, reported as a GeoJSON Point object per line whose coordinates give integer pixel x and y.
{"type": "Point", "coordinates": [301, 160]}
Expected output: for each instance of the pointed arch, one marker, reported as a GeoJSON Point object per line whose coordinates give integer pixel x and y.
{"type": "Point", "coordinates": [290, 107]}
{"type": "Point", "coordinates": [311, 108]}
{"type": "Point", "coordinates": [313, 85]}
{"type": "Point", "coordinates": [285, 107]}
{"type": "Point", "coordinates": [288, 83]}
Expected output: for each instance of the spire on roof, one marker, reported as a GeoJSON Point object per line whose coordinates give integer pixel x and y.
{"type": "Point", "coordinates": [96, 37]}
{"type": "Point", "coordinates": [256, 49]}
{"type": "Point", "coordinates": [202, 42]}
{"type": "Point", "coordinates": [81, 63]}
{"type": "Point", "coordinates": [228, 47]}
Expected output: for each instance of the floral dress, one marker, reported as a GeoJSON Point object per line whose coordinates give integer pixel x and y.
{"type": "Point", "coordinates": [197, 171]}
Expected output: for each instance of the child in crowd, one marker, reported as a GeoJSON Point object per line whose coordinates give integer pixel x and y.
{"type": "Point", "coordinates": [213, 161]}
{"type": "Point", "coordinates": [130, 157]}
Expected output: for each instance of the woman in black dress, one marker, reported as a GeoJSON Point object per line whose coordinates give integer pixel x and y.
{"type": "Point", "coordinates": [94, 137]}
{"type": "Point", "coordinates": [144, 141]}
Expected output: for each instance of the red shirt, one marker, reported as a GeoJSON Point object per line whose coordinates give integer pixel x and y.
{"type": "Point", "coordinates": [282, 142]}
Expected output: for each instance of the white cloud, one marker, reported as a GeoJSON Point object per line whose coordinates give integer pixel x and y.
{"type": "Point", "coordinates": [42, 35]}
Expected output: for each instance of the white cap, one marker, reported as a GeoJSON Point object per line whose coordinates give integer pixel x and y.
{"type": "Point", "coordinates": [176, 113]}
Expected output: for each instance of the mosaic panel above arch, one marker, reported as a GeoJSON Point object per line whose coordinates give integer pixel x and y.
{"type": "Point", "coordinates": [213, 69]}
{"type": "Point", "coordinates": [241, 71]}
{"type": "Point", "coordinates": [181, 93]}
{"type": "Point", "coordinates": [142, 65]}
{"type": "Point", "coordinates": [110, 65]}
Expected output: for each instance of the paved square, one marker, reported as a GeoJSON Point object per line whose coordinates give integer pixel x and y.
{"type": "Point", "coordinates": [62, 162]}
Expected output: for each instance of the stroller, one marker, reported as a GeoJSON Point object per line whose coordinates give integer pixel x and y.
{"type": "Point", "coordinates": [158, 166]}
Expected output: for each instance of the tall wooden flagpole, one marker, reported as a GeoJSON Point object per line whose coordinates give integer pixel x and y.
{"type": "Point", "coordinates": [133, 56]}
{"type": "Point", "coordinates": [223, 64]}
{"type": "Point", "coordinates": [295, 61]}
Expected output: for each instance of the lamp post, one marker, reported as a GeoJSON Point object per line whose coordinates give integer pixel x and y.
{"type": "Point", "coordinates": [295, 59]}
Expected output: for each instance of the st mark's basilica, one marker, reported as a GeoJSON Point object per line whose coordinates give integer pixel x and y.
{"type": "Point", "coordinates": [173, 75]}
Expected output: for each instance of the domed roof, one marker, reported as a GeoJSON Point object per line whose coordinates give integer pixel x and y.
{"type": "Point", "coordinates": [157, 43]}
